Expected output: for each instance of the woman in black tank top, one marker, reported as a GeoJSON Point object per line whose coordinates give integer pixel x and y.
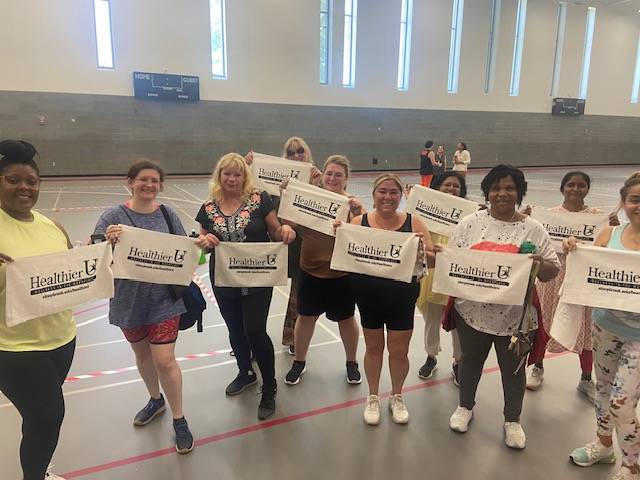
{"type": "Point", "coordinates": [387, 302]}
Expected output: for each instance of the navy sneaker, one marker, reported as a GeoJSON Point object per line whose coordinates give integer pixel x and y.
{"type": "Point", "coordinates": [297, 371]}
{"type": "Point", "coordinates": [184, 439]}
{"type": "Point", "coordinates": [241, 383]}
{"type": "Point", "coordinates": [353, 373]}
{"type": "Point", "coordinates": [151, 410]}
{"type": "Point", "coordinates": [429, 368]}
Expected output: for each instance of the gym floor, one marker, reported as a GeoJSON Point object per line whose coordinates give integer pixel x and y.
{"type": "Point", "coordinates": [318, 431]}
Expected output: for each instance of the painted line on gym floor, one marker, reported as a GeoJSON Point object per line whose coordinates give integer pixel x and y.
{"type": "Point", "coordinates": [265, 425]}
{"type": "Point", "coordinates": [91, 320]}
{"type": "Point", "coordinates": [184, 358]}
{"type": "Point", "coordinates": [88, 309]}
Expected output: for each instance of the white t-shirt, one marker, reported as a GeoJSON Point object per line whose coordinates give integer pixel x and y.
{"type": "Point", "coordinates": [501, 320]}
{"type": "Point", "coordinates": [465, 157]}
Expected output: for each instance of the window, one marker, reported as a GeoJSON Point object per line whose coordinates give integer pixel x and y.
{"type": "Point", "coordinates": [104, 39]}
{"type": "Point", "coordinates": [557, 58]}
{"type": "Point", "coordinates": [492, 49]}
{"type": "Point", "coordinates": [218, 39]}
{"type": "Point", "coordinates": [349, 52]}
{"type": "Point", "coordinates": [406, 12]}
{"type": "Point", "coordinates": [454, 49]}
{"type": "Point", "coordinates": [518, 46]}
{"type": "Point", "coordinates": [586, 54]}
{"type": "Point", "coordinates": [636, 77]}
{"type": "Point", "coordinates": [325, 40]}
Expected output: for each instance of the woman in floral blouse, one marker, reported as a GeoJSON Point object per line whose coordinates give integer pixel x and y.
{"type": "Point", "coordinates": [237, 212]}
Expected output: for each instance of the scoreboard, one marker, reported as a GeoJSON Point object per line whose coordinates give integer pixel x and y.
{"type": "Point", "coordinates": [567, 106]}
{"type": "Point", "coordinates": [163, 86]}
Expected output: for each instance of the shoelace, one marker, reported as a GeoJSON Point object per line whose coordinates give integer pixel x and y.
{"type": "Point", "coordinates": [373, 403]}
{"type": "Point", "coordinates": [398, 403]}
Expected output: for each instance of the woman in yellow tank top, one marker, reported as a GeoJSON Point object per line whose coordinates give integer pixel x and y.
{"type": "Point", "coordinates": [35, 356]}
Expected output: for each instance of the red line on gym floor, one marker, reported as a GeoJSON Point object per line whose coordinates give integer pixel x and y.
{"type": "Point", "coordinates": [95, 307]}
{"type": "Point", "coordinates": [262, 426]}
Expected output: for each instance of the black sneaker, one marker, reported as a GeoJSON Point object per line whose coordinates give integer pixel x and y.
{"type": "Point", "coordinates": [454, 374]}
{"type": "Point", "coordinates": [151, 410]}
{"type": "Point", "coordinates": [184, 439]}
{"type": "Point", "coordinates": [353, 374]}
{"type": "Point", "coordinates": [292, 350]}
{"type": "Point", "coordinates": [267, 405]}
{"type": "Point", "coordinates": [241, 383]}
{"type": "Point", "coordinates": [429, 368]}
{"type": "Point", "coordinates": [297, 370]}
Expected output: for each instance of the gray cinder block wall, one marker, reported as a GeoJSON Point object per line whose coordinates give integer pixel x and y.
{"type": "Point", "coordinates": [101, 135]}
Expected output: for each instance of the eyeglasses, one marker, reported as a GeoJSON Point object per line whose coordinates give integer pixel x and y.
{"type": "Point", "coordinates": [299, 151]}
{"type": "Point", "coordinates": [151, 180]}
{"type": "Point", "coordinates": [334, 174]}
{"type": "Point", "coordinates": [15, 180]}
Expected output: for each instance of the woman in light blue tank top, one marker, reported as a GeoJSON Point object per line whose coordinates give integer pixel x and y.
{"type": "Point", "coordinates": [616, 349]}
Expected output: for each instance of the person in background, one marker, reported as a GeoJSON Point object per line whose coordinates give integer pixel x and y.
{"type": "Point", "coordinates": [296, 149]}
{"type": "Point", "coordinates": [432, 305]}
{"type": "Point", "coordinates": [461, 159]}
{"type": "Point", "coordinates": [383, 302]}
{"type": "Point", "coordinates": [441, 162]}
{"type": "Point", "coordinates": [427, 164]}
{"type": "Point", "coordinates": [237, 212]}
{"type": "Point", "coordinates": [322, 290]}
{"type": "Point", "coordinates": [35, 356]}
{"type": "Point", "coordinates": [616, 347]}
{"type": "Point", "coordinates": [574, 187]}
{"type": "Point", "coordinates": [147, 313]}
{"type": "Point", "coordinates": [481, 325]}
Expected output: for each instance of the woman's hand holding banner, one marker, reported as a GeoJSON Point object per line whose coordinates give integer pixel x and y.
{"type": "Point", "coordinates": [270, 171]}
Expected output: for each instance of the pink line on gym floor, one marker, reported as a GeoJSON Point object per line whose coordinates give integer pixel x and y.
{"type": "Point", "coordinates": [263, 426]}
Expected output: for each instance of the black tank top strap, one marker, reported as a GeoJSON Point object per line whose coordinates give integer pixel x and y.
{"type": "Point", "coordinates": [364, 221]}
{"type": "Point", "coordinates": [406, 226]}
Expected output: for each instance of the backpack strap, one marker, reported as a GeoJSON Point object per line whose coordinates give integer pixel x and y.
{"type": "Point", "coordinates": [167, 219]}
{"type": "Point", "coordinates": [128, 216]}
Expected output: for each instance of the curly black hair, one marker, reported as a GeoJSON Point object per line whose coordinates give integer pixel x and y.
{"type": "Point", "coordinates": [501, 171]}
{"type": "Point", "coordinates": [17, 152]}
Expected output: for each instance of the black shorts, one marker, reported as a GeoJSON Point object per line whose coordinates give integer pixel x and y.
{"type": "Point", "coordinates": [385, 302]}
{"type": "Point", "coordinates": [332, 296]}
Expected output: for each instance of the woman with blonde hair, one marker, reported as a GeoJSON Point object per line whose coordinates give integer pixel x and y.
{"type": "Point", "coordinates": [322, 290]}
{"type": "Point", "coordinates": [383, 302]}
{"type": "Point", "coordinates": [296, 149]}
{"type": "Point", "coordinates": [237, 212]}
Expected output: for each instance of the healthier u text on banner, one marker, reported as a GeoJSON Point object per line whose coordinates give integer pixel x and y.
{"type": "Point", "coordinates": [270, 171]}
{"type": "Point", "coordinates": [154, 257]}
{"type": "Point", "coordinates": [375, 252]}
{"type": "Point", "coordinates": [251, 264]}
{"type": "Point", "coordinates": [312, 207]}
{"type": "Point", "coordinates": [481, 276]}
{"type": "Point", "coordinates": [560, 225]}
{"type": "Point", "coordinates": [604, 278]}
{"type": "Point", "coordinates": [46, 284]}
{"type": "Point", "coordinates": [440, 211]}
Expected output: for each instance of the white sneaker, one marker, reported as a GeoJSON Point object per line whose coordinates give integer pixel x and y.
{"type": "Point", "coordinates": [514, 436]}
{"type": "Point", "coordinates": [624, 474]}
{"type": "Point", "coordinates": [591, 454]}
{"type": "Point", "coordinates": [459, 421]}
{"type": "Point", "coordinates": [588, 388]}
{"type": "Point", "coordinates": [399, 412]}
{"type": "Point", "coordinates": [49, 475]}
{"type": "Point", "coordinates": [372, 410]}
{"type": "Point", "coordinates": [535, 378]}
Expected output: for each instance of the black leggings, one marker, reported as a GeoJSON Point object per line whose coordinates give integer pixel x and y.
{"type": "Point", "coordinates": [32, 381]}
{"type": "Point", "coordinates": [246, 319]}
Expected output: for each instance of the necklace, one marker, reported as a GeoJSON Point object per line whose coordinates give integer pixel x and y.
{"type": "Point", "coordinates": [512, 219]}
{"type": "Point", "coordinates": [384, 226]}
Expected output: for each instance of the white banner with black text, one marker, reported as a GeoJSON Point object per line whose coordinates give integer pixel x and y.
{"type": "Point", "coordinates": [604, 278]}
{"type": "Point", "coordinates": [154, 257]}
{"type": "Point", "coordinates": [269, 172]}
{"type": "Point", "coordinates": [312, 207]}
{"type": "Point", "coordinates": [560, 225]}
{"type": "Point", "coordinates": [441, 212]}
{"type": "Point", "coordinates": [46, 284]}
{"type": "Point", "coordinates": [251, 264]}
{"type": "Point", "coordinates": [375, 252]}
{"type": "Point", "coordinates": [481, 276]}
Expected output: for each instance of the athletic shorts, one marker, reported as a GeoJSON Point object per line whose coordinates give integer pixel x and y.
{"type": "Point", "coordinates": [385, 302]}
{"type": "Point", "coordinates": [157, 334]}
{"type": "Point", "coordinates": [332, 296]}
